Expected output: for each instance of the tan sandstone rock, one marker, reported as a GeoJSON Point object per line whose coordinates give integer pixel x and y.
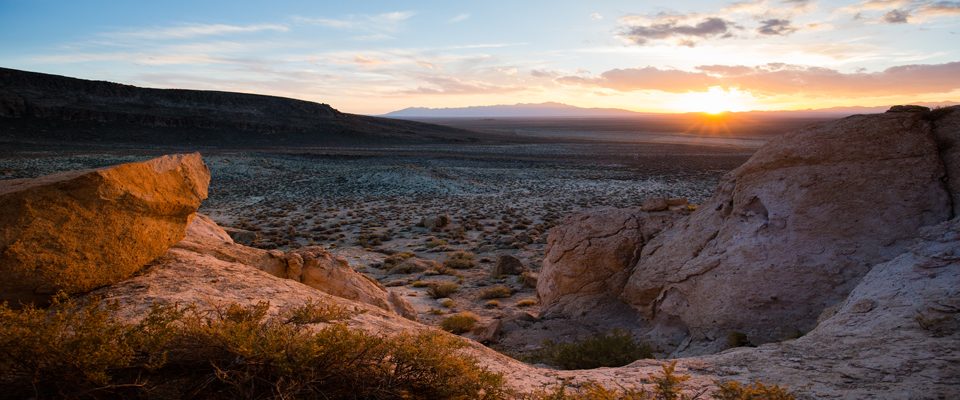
{"type": "Point", "coordinates": [792, 231]}
{"type": "Point", "coordinates": [80, 230]}
{"type": "Point", "coordinates": [312, 266]}
{"type": "Point", "coordinates": [588, 257]}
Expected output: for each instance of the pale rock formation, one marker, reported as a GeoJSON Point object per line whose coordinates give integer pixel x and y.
{"type": "Point", "coordinates": [792, 231]}
{"type": "Point", "coordinates": [79, 230]}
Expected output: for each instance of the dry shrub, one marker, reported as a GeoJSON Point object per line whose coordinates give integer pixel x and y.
{"type": "Point", "coordinates": [458, 323]}
{"type": "Point", "coordinates": [460, 260]}
{"type": "Point", "coordinates": [81, 351]}
{"type": "Point", "coordinates": [614, 349]}
{"type": "Point", "coordinates": [439, 290]}
{"type": "Point", "coordinates": [496, 292]}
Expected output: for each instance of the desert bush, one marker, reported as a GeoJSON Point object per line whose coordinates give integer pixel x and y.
{"type": "Point", "coordinates": [613, 349]}
{"type": "Point", "coordinates": [434, 242]}
{"type": "Point", "coordinates": [459, 323]}
{"type": "Point", "coordinates": [397, 258]}
{"type": "Point", "coordinates": [667, 385]}
{"type": "Point", "coordinates": [733, 390]}
{"type": "Point", "coordinates": [587, 391]}
{"type": "Point", "coordinates": [81, 351]}
{"type": "Point", "coordinates": [527, 303]}
{"type": "Point", "coordinates": [496, 292]}
{"type": "Point", "coordinates": [448, 303]}
{"type": "Point", "coordinates": [439, 290]}
{"type": "Point", "coordinates": [410, 266]}
{"type": "Point", "coordinates": [460, 260]}
{"type": "Point", "coordinates": [492, 304]}
{"type": "Point", "coordinates": [315, 312]}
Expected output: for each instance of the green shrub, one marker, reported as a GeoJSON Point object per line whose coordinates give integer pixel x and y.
{"type": "Point", "coordinates": [439, 290]}
{"type": "Point", "coordinates": [496, 292]}
{"type": "Point", "coordinates": [459, 323]}
{"type": "Point", "coordinates": [614, 349]}
{"type": "Point", "coordinates": [460, 260]}
{"type": "Point", "coordinates": [81, 351]}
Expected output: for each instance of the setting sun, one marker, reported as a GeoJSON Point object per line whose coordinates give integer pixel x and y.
{"type": "Point", "coordinates": [716, 100]}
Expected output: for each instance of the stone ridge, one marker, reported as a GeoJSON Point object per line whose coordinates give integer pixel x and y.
{"type": "Point", "coordinates": [50, 108]}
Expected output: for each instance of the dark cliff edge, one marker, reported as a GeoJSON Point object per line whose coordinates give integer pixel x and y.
{"type": "Point", "coordinates": [42, 108]}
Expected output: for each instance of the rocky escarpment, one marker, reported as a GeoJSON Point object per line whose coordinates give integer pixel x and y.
{"type": "Point", "coordinates": [49, 108]}
{"type": "Point", "coordinates": [80, 230]}
{"type": "Point", "coordinates": [791, 232]}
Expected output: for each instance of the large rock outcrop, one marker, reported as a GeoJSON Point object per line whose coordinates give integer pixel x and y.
{"type": "Point", "coordinates": [793, 230]}
{"type": "Point", "coordinates": [313, 266]}
{"type": "Point", "coordinates": [589, 255]}
{"type": "Point", "coordinates": [80, 230]}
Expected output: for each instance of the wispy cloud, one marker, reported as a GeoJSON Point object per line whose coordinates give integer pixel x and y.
{"type": "Point", "coordinates": [780, 79]}
{"type": "Point", "coordinates": [458, 18]}
{"type": "Point", "coordinates": [901, 11]}
{"type": "Point", "coordinates": [389, 21]}
{"type": "Point", "coordinates": [195, 30]}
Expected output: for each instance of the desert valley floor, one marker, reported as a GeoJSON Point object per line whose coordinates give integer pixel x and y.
{"type": "Point", "coordinates": [366, 203]}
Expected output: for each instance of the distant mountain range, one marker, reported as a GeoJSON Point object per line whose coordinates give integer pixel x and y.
{"type": "Point", "coordinates": [560, 110]}
{"type": "Point", "coordinates": [523, 110]}
{"type": "Point", "coordinates": [44, 108]}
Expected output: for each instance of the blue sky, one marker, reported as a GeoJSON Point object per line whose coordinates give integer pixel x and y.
{"type": "Point", "coordinates": [374, 57]}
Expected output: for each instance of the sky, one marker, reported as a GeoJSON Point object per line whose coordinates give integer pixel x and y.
{"type": "Point", "coordinates": [372, 57]}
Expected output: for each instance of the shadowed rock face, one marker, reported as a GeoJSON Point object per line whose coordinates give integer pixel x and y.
{"type": "Point", "coordinates": [51, 108]}
{"type": "Point", "coordinates": [589, 256]}
{"type": "Point", "coordinates": [80, 230]}
{"type": "Point", "coordinates": [787, 235]}
{"type": "Point", "coordinates": [794, 229]}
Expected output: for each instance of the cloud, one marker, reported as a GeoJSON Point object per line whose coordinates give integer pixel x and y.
{"type": "Point", "coordinates": [648, 78]}
{"type": "Point", "coordinates": [776, 26]}
{"type": "Point", "coordinates": [667, 27]}
{"type": "Point", "coordinates": [783, 79]}
{"type": "Point", "coordinates": [939, 9]}
{"type": "Point", "coordinates": [459, 18]}
{"type": "Point", "coordinates": [194, 30]}
{"type": "Point", "coordinates": [543, 73]}
{"type": "Point", "coordinates": [902, 11]}
{"type": "Point", "coordinates": [896, 16]}
{"type": "Point", "coordinates": [596, 16]}
{"type": "Point", "coordinates": [384, 22]}
{"type": "Point", "coordinates": [444, 85]}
